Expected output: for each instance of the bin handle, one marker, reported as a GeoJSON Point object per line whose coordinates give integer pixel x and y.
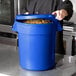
{"type": "Point", "coordinates": [57, 22]}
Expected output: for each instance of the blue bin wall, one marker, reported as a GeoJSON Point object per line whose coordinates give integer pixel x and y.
{"type": "Point", "coordinates": [37, 50]}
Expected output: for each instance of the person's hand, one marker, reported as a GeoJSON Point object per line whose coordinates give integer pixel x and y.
{"type": "Point", "coordinates": [60, 14]}
{"type": "Point", "coordinates": [26, 13]}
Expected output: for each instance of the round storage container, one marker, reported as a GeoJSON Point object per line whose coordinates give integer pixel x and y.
{"type": "Point", "coordinates": [36, 40]}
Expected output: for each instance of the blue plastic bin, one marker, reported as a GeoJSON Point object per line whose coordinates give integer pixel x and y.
{"type": "Point", "coordinates": [36, 42]}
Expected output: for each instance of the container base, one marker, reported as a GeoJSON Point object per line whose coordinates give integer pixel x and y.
{"type": "Point", "coordinates": [50, 68]}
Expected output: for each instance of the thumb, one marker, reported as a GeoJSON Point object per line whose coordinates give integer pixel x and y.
{"type": "Point", "coordinates": [26, 13]}
{"type": "Point", "coordinates": [54, 13]}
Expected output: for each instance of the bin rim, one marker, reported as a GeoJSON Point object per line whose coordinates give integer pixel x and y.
{"type": "Point", "coordinates": [34, 16]}
{"type": "Point", "coordinates": [39, 16]}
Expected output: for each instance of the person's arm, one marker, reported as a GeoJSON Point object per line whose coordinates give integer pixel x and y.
{"type": "Point", "coordinates": [64, 10]}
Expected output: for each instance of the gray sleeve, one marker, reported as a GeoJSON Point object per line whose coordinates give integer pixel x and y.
{"type": "Point", "coordinates": [23, 6]}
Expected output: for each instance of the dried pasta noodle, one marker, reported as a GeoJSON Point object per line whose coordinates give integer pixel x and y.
{"type": "Point", "coordinates": [37, 21]}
